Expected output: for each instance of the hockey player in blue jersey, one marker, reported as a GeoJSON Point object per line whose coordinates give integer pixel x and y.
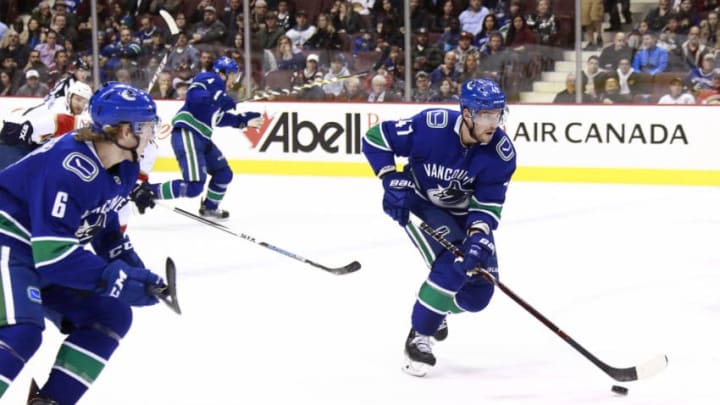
{"type": "Point", "coordinates": [459, 166]}
{"type": "Point", "coordinates": [206, 105]}
{"type": "Point", "coordinates": [61, 196]}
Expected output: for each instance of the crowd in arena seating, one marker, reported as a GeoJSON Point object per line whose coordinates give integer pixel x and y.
{"type": "Point", "coordinates": [345, 50]}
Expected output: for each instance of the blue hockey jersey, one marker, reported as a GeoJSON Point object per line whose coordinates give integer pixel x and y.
{"type": "Point", "coordinates": [57, 199]}
{"type": "Point", "coordinates": [466, 181]}
{"type": "Point", "coordinates": [206, 105]}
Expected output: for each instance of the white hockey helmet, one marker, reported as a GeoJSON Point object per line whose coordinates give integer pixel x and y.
{"type": "Point", "coordinates": [81, 89]}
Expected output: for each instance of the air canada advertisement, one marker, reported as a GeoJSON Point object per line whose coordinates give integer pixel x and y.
{"type": "Point", "coordinates": [598, 136]}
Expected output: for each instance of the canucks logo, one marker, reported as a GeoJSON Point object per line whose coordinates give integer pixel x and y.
{"type": "Point", "coordinates": [454, 195]}
{"type": "Point", "coordinates": [90, 227]}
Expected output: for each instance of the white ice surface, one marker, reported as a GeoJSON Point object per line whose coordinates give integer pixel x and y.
{"type": "Point", "coordinates": [629, 272]}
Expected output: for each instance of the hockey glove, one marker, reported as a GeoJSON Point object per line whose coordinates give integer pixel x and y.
{"type": "Point", "coordinates": [132, 285]}
{"type": "Point", "coordinates": [396, 200]}
{"type": "Point", "coordinates": [143, 196]}
{"type": "Point", "coordinates": [118, 246]}
{"type": "Point", "coordinates": [478, 251]}
{"type": "Point", "coordinates": [250, 119]}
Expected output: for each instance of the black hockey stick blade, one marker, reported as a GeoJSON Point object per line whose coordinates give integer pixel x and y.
{"type": "Point", "coordinates": [168, 294]}
{"type": "Point", "coordinates": [349, 268]}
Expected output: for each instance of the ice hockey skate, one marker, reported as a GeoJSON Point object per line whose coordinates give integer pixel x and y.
{"type": "Point", "coordinates": [216, 213]}
{"type": "Point", "coordinates": [419, 358]}
{"type": "Point", "coordinates": [34, 397]}
{"type": "Point", "coordinates": [442, 332]}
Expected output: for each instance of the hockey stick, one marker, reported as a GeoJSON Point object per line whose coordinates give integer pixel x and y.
{"type": "Point", "coordinates": [644, 370]}
{"type": "Point", "coordinates": [272, 93]}
{"type": "Point", "coordinates": [168, 294]}
{"type": "Point", "coordinates": [174, 30]}
{"type": "Point", "coordinates": [349, 268]}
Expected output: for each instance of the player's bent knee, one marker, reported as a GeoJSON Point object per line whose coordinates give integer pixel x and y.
{"type": "Point", "coordinates": [474, 297]}
{"type": "Point", "coordinates": [21, 340]}
{"type": "Point", "coordinates": [194, 188]}
{"type": "Point", "coordinates": [223, 176]}
{"type": "Point", "coordinates": [115, 318]}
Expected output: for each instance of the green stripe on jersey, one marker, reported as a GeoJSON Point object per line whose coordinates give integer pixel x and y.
{"type": "Point", "coordinates": [79, 362]}
{"type": "Point", "coordinates": [492, 209]}
{"type": "Point", "coordinates": [11, 228]}
{"type": "Point", "coordinates": [194, 123]}
{"type": "Point", "coordinates": [4, 384]}
{"type": "Point", "coordinates": [49, 250]}
{"type": "Point", "coordinates": [375, 138]}
{"type": "Point", "coordinates": [435, 299]}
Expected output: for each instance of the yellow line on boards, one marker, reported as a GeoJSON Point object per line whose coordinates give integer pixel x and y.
{"type": "Point", "coordinates": [523, 173]}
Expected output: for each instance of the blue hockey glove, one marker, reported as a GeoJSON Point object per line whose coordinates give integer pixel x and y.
{"type": "Point", "coordinates": [479, 251]}
{"type": "Point", "coordinates": [133, 285]}
{"type": "Point", "coordinates": [116, 245]}
{"type": "Point", "coordinates": [396, 200]}
{"type": "Point", "coordinates": [249, 119]}
{"type": "Point", "coordinates": [143, 195]}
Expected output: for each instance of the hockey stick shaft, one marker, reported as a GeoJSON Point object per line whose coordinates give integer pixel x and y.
{"type": "Point", "coordinates": [174, 30]}
{"type": "Point", "coordinates": [350, 268]}
{"type": "Point", "coordinates": [646, 369]}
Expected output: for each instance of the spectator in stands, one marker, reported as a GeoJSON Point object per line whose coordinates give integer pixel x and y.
{"type": "Point", "coordinates": [568, 96]}
{"type": "Point", "coordinates": [490, 24]}
{"type": "Point", "coordinates": [183, 54]}
{"type": "Point", "coordinates": [344, 18]}
{"type": "Point", "coordinates": [269, 35]}
{"type": "Point", "coordinates": [383, 71]}
{"type": "Point", "coordinates": [464, 48]}
{"type": "Point", "coordinates": [471, 68]}
{"type": "Point", "coordinates": [48, 48]}
{"type": "Point", "coordinates": [209, 31]}
{"type": "Point", "coordinates": [701, 78]}
{"type": "Point", "coordinates": [670, 38]}
{"type": "Point", "coordinates": [677, 94]}
{"type": "Point", "coordinates": [504, 21]}
{"type": "Point", "coordinates": [442, 21]}
{"type": "Point", "coordinates": [181, 88]}
{"type": "Point", "coordinates": [494, 59]}
{"type": "Point", "coordinates": [449, 39]}
{"type": "Point", "coordinates": [687, 16]}
{"type": "Point", "coordinates": [418, 16]}
{"type": "Point", "coordinates": [593, 76]}
{"type": "Point", "coordinates": [207, 58]}
{"type": "Point", "coordinates": [6, 85]}
{"type": "Point", "coordinates": [520, 38]}
{"type": "Point", "coordinates": [65, 32]}
{"type": "Point", "coordinates": [144, 36]}
{"type": "Point", "coordinates": [337, 69]}
{"type": "Point", "coordinates": [635, 37]}
{"type": "Point", "coordinates": [709, 29]}
{"type": "Point", "coordinates": [363, 43]}
{"type": "Point", "coordinates": [612, 54]}
{"type": "Point", "coordinates": [352, 91]}
{"type": "Point", "coordinates": [13, 48]}
{"type": "Point", "coordinates": [32, 86]}
{"type": "Point", "coordinates": [285, 17]}
{"type": "Point", "coordinates": [630, 81]}
{"type": "Point", "coordinates": [257, 15]}
{"type": "Point", "coordinates": [543, 23]}
{"type": "Point", "coordinates": [712, 95]}
{"type": "Point", "coordinates": [324, 38]}
{"type": "Point", "coordinates": [287, 56]}
{"type": "Point", "coordinates": [301, 31]}
{"type": "Point", "coordinates": [60, 69]}
{"type": "Point", "coordinates": [658, 17]}
{"type": "Point", "coordinates": [42, 14]}
{"type": "Point", "coordinates": [163, 88]}
{"type": "Point", "coordinates": [425, 57]}
{"type": "Point", "coordinates": [34, 33]}
{"type": "Point", "coordinates": [422, 93]}
{"type": "Point", "coordinates": [446, 93]}
{"type": "Point", "coordinates": [125, 46]}
{"type": "Point", "coordinates": [379, 92]}
{"type": "Point", "coordinates": [155, 48]}
{"type": "Point", "coordinates": [388, 14]}
{"type": "Point", "coordinates": [182, 24]}
{"type": "Point", "coordinates": [471, 19]}
{"type": "Point", "coordinates": [611, 92]}
{"type": "Point", "coordinates": [691, 52]}
{"type": "Point", "coordinates": [592, 13]}
{"type": "Point", "coordinates": [34, 62]}
{"type": "Point", "coordinates": [650, 59]}
{"type": "Point", "coordinates": [446, 71]}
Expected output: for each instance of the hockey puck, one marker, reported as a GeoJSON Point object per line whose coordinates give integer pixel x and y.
{"type": "Point", "coordinates": [620, 390]}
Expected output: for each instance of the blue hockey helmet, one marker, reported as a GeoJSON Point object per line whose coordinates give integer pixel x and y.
{"type": "Point", "coordinates": [225, 65]}
{"type": "Point", "coordinates": [481, 94]}
{"type": "Point", "coordinates": [116, 103]}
